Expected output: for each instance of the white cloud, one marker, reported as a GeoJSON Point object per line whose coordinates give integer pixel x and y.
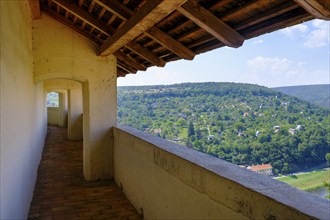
{"type": "Point", "coordinates": [313, 35]}
{"type": "Point", "coordinates": [291, 32]}
{"type": "Point", "coordinates": [259, 41]}
{"type": "Point", "coordinates": [275, 65]}
{"type": "Point", "coordinates": [275, 71]}
{"type": "Point", "coordinates": [319, 37]}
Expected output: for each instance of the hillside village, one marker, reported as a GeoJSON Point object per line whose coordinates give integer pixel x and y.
{"type": "Point", "coordinates": [241, 123]}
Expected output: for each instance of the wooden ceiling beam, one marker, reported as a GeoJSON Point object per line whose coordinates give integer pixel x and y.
{"type": "Point", "coordinates": [285, 22]}
{"type": "Point", "coordinates": [124, 13]}
{"type": "Point", "coordinates": [170, 43]}
{"type": "Point", "coordinates": [281, 9]}
{"type": "Point", "coordinates": [145, 53]}
{"type": "Point", "coordinates": [210, 23]}
{"type": "Point", "coordinates": [70, 25]}
{"type": "Point", "coordinates": [129, 60]}
{"type": "Point", "coordinates": [80, 3]}
{"type": "Point", "coordinates": [125, 67]}
{"type": "Point", "coordinates": [318, 8]}
{"type": "Point", "coordinates": [116, 8]}
{"type": "Point", "coordinates": [35, 8]}
{"type": "Point", "coordinates": [85, 16]}
{"type": "Point", "coordinates": [146, 17]}
{"type": "Point", "coordinates": [219, 4]}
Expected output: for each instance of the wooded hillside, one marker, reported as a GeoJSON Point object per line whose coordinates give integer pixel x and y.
{"type": "Point", "coordinates": [316, 94]}
{"type": "Point", "coordinates": [240, 123]}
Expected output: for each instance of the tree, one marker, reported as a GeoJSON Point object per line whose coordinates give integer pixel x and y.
{"type": "Point", "coordinates": [327, 157]}
{"type": "Point", "coordinates": [191, 129]}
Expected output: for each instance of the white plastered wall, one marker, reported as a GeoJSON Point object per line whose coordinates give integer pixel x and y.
{"type": "Point", "coordinates": [22, 112]}
{"type": "Point", "coordinates": [75, 104]}
{"type": "Point", "coordinates": [60, 53]}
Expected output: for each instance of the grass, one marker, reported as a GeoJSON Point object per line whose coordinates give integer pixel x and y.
{"type": "Point", "coordinates": [308, 181]}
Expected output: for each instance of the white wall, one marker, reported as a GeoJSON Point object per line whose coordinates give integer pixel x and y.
{"type": "Point", "coordinates": [70, 56]}
{"type": "Point", "coordinates": [23, 112]}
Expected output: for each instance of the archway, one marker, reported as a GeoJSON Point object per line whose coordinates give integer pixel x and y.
{"type": "Point", "coordinates": [69, 113]}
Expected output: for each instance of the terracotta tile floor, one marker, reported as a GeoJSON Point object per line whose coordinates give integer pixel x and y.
{"type": "Point", "coordinates": [61, 191]}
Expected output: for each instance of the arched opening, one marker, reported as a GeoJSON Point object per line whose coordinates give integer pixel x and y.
{"type": "Point", "coordinates": [65, 106]}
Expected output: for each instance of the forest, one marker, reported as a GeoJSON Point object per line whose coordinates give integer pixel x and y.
{"type": "Point", "coordinates": [241, 123]}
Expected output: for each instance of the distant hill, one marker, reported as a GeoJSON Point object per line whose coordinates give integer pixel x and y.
{"type": "Point", "coordinates": [241, 123]}
{"type": "Point", "coordinates": [316, 94]}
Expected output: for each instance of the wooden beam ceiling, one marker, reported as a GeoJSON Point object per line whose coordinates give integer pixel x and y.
{"type": "Point", "coordinates": [210, 23]}
{"type": "Point", "coordinates": [145, 18]}
{"type": "Point", "coordinates": [318, 8]}
{"type": "Point", "coordinates": [85, 16]}
{"type": "Point", "coordinates": [143, 33]}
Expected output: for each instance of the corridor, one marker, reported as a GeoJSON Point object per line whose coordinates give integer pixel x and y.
{"type": "Point", "coordinates": [61, 191]}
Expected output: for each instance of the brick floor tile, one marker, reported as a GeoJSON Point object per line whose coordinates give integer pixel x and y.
{"type": "Point", "coordinates": [61, 191]}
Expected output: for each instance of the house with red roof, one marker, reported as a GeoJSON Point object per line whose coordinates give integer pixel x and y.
{"type": "Point", "coordinates": [265, 169]}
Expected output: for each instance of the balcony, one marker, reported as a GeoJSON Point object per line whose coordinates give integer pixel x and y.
{"type": "Point", "coordinates": [161, 180]}
{"type": "Point", "coordinates": [168, 181]}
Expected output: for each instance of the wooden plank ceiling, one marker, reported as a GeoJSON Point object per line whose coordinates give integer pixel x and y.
{"type": "Point", "coordinates": [145, 33]}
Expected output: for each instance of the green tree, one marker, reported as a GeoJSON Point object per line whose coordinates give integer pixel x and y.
{"type": "Point", "coordinates": [191, 129]}
{"type": "Point", "coordinates": [327, 157]}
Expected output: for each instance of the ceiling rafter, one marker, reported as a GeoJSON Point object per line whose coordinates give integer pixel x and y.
{"type": "Point", "coordinates": [179, 49]}
{"type": "Point", "coordinates": [70, 25]}
{"type": "Point", "coordinates": [318, 8]}
{"type": "Point", "coordinates": [170, 43]}
{"type": "Point", "coordinates": [129, 60]}
{"type": "Point", "coordinates": [116, 8]}
{"type": "Point", "coordinates": [145, 53]}
{"type": "Point", "coordinates": [85, 16]}
{"type": "Point", "coordinates": [210, 23]}
{"type": "Point", "coordinates": [146, 17]}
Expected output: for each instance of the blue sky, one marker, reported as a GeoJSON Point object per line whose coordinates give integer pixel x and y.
{"type": "Point", "coordinates": [297, 55]}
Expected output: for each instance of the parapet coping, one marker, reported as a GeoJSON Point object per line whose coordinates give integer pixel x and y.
{"type": "Point", "coordinates": [281, 192]}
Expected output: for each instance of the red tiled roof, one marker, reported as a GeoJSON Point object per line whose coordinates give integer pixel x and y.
{"type": "Point", "coordinates": [261, 167]}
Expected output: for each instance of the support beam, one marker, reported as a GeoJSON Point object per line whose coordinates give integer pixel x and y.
{"type": "Point", "coordinates": [85, 16]}
{"type": "Point", "coordinates": [35, 8]}
{"type": "Point", "coordinates": [170, 43]}
{"type": "Point", "coordinates": [145, 18]}
{"type": "Point", "coordinates": [318, 8]}
{"type": "Point", "coordinates": [210, 23]}
{"type": "Point", "coordinates": [125, 13]}
{"type": "Point", "coordinates": [124, 58]}
{"type": "Point", "coordinates": [62, 20]}
{"type": "Point", "coordinates": [146, 54]}
{"type": "Point", "coordinates": [116, 8]}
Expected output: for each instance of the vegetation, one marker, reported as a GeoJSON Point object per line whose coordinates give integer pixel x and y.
{"type": "Point", "coordinates": [308, 181]}
{"type": "Point", "coordinates": [316, 94]}
{"type": "Point", "coordinates": [52, 99]}
{"type": "Point", "coordinates": [240, 123]}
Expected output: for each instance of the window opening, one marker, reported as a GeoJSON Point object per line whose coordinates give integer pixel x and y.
{"type": "Point", "coordinates": [53, 99]}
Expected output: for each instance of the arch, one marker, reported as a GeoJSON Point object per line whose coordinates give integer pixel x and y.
{"type": "Point", "coordinates": [59, 75]}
